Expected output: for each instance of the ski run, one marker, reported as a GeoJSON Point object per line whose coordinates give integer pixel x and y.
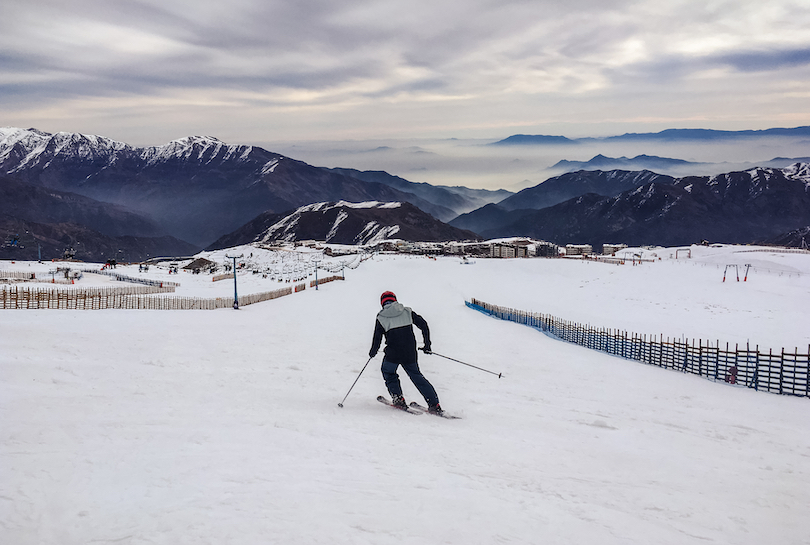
{"type": "Point", "coordinates": [220, 426]}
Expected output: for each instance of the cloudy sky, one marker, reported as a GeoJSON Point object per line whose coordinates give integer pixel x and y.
{"type": "Point", "coordinates": [149, 71]}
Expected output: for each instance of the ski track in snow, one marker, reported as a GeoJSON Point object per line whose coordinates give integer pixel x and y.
{"type": "Point", "coordinates": [223, 427]}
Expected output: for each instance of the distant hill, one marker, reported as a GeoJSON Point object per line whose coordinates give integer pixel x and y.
{"type": "Point", "coordinates": [671, 135]}
{"type": "Point", "coordinates": [532, 140]}
{"type": "Point", "coordinates": [44, 205]}
{"type": "Point", "coordinates": [639, 162]}
{"type": "Point", "coordinates": [27, 240]}
{"type": "Point", "coordinates": [666, 165]}
{"type": "Point", "coordinates": [345, 223]}
{"type": "Point", "coordinates": [796, 238]}
{"type": "Point", "coordinates": [487, 218]}
{"type": "Point", "coordinates": [668, 135]}
{"type": "Point", "coordinates": [38, 221]}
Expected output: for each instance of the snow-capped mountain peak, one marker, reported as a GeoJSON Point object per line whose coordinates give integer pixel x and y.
{"type": "Point", "coordinates": [198, 149]}
{"type": "Point", "coordinates": [20, 142]}
{"type": "Point", "coordinates": [24, 148]}
{"type": "Point", "coordinates": [800, 172]}
{"type": "Point", "coordinates": [288, 228]}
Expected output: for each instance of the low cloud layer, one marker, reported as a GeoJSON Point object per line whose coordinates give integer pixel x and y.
{"type": "Point", "coordinates": [247, 70]}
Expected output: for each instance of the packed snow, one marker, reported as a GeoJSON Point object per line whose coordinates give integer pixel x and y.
{"type": "Point", "coordinates": [222, 426]}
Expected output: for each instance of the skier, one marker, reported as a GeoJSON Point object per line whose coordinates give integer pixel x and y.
{"type": "Point", "coordinates": [396, 322]}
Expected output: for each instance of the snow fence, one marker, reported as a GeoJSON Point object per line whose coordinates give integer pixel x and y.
{"type": "Point", "coordinates": [780, 373]}
{"type": "Point", "coordinates": [131, 297]}
{"type": "Point", "coordinates": [132, 279]}
{"type": "Point", "coordinates": [145, 297]}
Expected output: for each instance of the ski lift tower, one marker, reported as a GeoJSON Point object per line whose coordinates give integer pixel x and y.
{"type": "Point", "coordinates": [317, 260]}
{"type": "Point", "coordinates": [235, 296]}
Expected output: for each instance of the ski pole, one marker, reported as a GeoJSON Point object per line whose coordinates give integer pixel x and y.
{"type": "Point", "coordinates": [467, 364]}
{"type": "Point", "coordinates": [355, 382]}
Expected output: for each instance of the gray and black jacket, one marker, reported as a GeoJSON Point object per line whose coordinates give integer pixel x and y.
{"type": "Point", "coordinates": [396, 322]}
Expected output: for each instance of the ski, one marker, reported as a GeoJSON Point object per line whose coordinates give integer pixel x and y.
{"type": "Point", "coordinates": [411, 410]}
{"type": "Point", "coordinates": [415, 405]}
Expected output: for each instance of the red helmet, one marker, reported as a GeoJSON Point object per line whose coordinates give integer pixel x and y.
{"type": "Point", "coordinates": [387, 297]}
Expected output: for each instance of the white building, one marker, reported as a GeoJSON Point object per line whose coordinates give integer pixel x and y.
{"type": "Point", "coordinates": [610, 249]}
{"type": "Point", "coordinates": [578, 249]}
{"type": "Point", "coordinates": [502, 249]}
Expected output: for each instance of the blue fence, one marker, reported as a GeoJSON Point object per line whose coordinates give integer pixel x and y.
{"type": "Point", "coordinates": [783, 372]}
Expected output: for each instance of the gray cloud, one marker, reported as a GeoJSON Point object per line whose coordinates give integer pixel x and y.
{"type": "Point", "coordinates": [758, 61]}
{"type": "Point", "coordinates": [321, 66]}
{"type": "Point", "coordinates": [316, 41]}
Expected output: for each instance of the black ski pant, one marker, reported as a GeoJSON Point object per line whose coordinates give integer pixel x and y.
{"type": "Point", "coordinates": [389, 372]}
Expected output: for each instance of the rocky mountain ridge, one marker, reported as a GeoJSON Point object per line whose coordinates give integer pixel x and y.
{"type": "Point", "coordinates": [554, 191]}
{"type": "Point", "coordinates": [345, 223]}
{"type": "Point", "coordinates": [736, 207]}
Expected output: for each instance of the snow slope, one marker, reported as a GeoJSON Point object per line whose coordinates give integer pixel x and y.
{"type": "Point", "coordinates": [222, 427]}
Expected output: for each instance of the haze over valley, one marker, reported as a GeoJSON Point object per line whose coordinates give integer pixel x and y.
{"type": "Point", "coordinates": [478, 164]}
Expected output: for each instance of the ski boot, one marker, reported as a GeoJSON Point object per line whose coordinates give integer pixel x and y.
{"type": "Point", "coordinates": [436, 409]}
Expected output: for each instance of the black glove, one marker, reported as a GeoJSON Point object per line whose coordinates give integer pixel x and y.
{"type": "Point", "coordinates": [371, 354]}
{"type": "Point", "coordinates": [426, 349]}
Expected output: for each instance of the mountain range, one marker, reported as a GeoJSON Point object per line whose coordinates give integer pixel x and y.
{"type": "Point", "coordinates": [554, 191]}
{"type": "Point", "coordinates": [106, 198]}
{"type": "Point", "coordinates": [668, 135]}
{"type": "Point", "coordinates": [639, 162]}
{"type": "Point", "coordinates": [194, 189]}
{"type": "Point", "coordinates": [737, 207]}
{"type": "Point", "coordinates": [667, 165]}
